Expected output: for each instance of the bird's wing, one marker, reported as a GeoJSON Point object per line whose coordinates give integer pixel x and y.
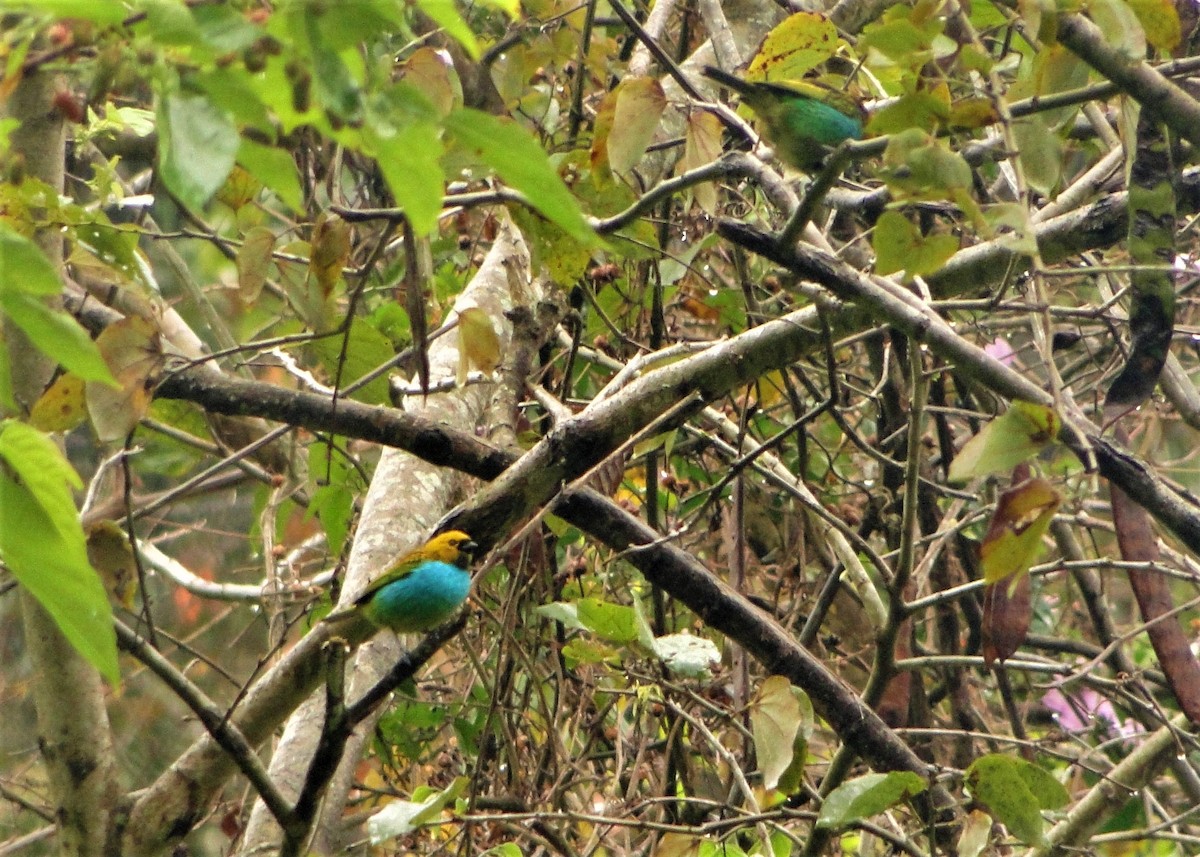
{"type": "Point", "coordinates": [402, 569]}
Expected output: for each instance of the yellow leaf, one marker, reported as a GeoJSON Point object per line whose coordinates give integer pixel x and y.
{"type": "Point", "coordinates": [1160, 20]}
{"type": "Point", "coordinates": [239, 188]}
{"type": "Point", "coordinates": [602, 128]}
{"type": "Point", "coordinates": [680, 845]}
{"type": "Point", "coordinates": [799, 44]}
{"type": "Point", "coordinates": [769, 389]}
{"type": "Point", "coordinates": [1014, 536]}
{"type": "Point", "coordinates": [62, 407]}
{"type": "Point", "coordinates": [640, 104]}
{"type": "Point", "coordinates": [972, 113]}
{"type": "Point", "coordinates": [478, 345]}
{"type": "Point", "coordinates": [702, 145]}
{"type": "Point", "coordinates": [1017, 435]}
{"type": "Point", "coordinates": [330, 250]}
{"type": "Point", "coordinates": [110, 553]}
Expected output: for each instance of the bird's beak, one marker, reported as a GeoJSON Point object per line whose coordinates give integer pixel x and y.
{"type": "Point", "coordinates": [468, 547]}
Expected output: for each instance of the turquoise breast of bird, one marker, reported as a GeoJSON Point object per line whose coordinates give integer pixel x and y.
{"type": "Point", "coordinates": [420, 590]}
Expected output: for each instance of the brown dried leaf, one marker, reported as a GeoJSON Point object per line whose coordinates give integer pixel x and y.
{"type": "Point", "coordinates": [133, 351]}
{"type": "Point", "coordinates": [254, 261]}
{"type": "Point", "coordinates": [1007, 610]}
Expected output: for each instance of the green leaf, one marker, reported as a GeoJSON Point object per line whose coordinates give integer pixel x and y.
{"type": "Point", "coordinates": [335, 85]}
{"type": "Point", "coordinates": [614, 622]}
{"type": "Point", "coordinates": [589, 650]}
{"type": "Point", "coordinates": [116, 248]}
{"type": "Point", "coordinates": [898, 38]}
{"type": "Point", "coordinates": [42, 470]}
{"type": "Point", "coordinates": [1040, 153]}
{"type": "Point", "coordinates": [922, 109]}
{"type": "Point", "coordinates": [1055, 69]}
{"type": "Point", "coordinates": [24, 267]}
{"type": "Point", "coordinates": [401, 817]}
{"type": "Point", "coordinates": [233, 90]}
{"type": "Point", "coordinates": [1010, 222]}
{"type": "Point", "coordinates": [170, 22]}
{"type": "Point", "coordinates": [26, 278]}
{"type": "Point", "coordinates": [43, 544]}
{"type": "Point", "coordinates": [333, 500]}
{"type": "Point", "coordinates": [408, 157]}
{"type": "Point", "coordinates": [275, 169]}
{"type": "Point", "coordinates": [505, 849]}
{"type": "Point", "coordinates": [919, 166]}
{"type": "Point", "coordinates": [1014, 536]}
{"type": "Point", "coordinates": [224, 29]}
{"type": "Point", "coordinates": [367, 349]}
{"type": "Point", "coordinates": [781, 718]}
{"type": "Point", "coordinates": [866, 796]}
{"type": "Point", "coordinates": [562, 611]}
{"type": "Point", "coordinates": [900, 246]}
{"type": "Point", "coordinates": [516, 156]}
{"type": "Point", "coordinates": [197, 149]}
{"type": "Point", "coordinates": [96, 11]}
{"type": "Point", "coordinates": [58, 335]}
{"type": "Point", "coordinates": [1017, 435]}
{"type": "Point", "coordinates": [1015, 792]}
{"type": "Point", "coordinates": [447, 17]}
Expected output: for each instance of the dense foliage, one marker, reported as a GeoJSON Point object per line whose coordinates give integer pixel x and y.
{"type": "Point", "coordinates": [845, 511]}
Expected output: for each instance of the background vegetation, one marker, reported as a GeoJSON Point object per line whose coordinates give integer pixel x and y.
{"type": "Point", "coordinates": [285, 286]}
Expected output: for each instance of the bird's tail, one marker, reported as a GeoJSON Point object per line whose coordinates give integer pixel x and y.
{"type": "Point", "coordinates": [728, 80]}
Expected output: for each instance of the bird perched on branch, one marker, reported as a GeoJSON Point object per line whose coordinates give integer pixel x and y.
{"type": "Point", "coordinates": [421, 590]}
{"type": "Point", "coordinates": [802, 120]}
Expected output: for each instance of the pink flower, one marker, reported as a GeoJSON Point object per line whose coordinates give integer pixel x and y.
{"type": "Point", "coordinates": [1000, 350]}
{"type": "Point", "coordinates": [1080, 711]}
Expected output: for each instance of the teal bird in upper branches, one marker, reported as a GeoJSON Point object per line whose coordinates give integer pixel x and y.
{"type": "Point", "coordinates": [421, 590]}
{"type": "Point", "coordinates": [803, 120]}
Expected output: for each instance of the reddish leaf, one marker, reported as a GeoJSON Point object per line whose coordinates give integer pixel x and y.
{"type": "Point", "coordinates": [1172, 646]}
{"type": "Point", "coordinates": [430, 71]}
{"type": "Point", "coordinates": [1006, 613]}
